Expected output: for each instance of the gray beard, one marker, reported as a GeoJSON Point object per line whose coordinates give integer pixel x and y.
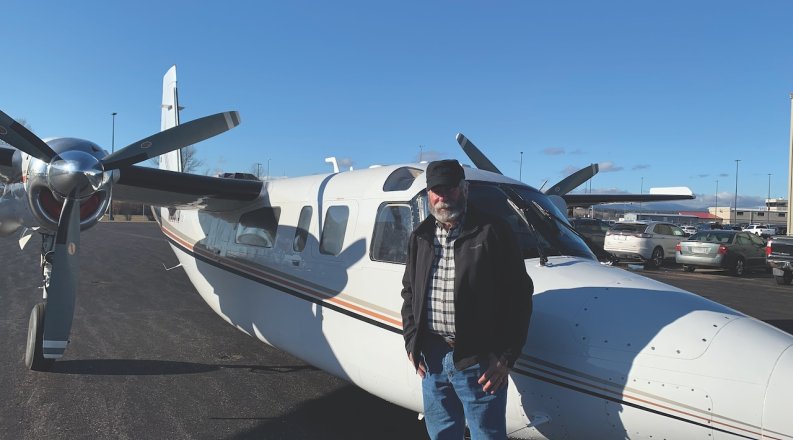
{"type": "Point", "coordinates": [450, 214]}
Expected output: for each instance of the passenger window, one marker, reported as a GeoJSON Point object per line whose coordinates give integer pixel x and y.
{"type": "Point", "coordinates": [677, 231]}
{"type": "Point", "coordinates": [334, 229]}
{"type": "Point", "coordinates": [391, 231]}
{"type": "Point", "coordinates": [663, 230]}
{"type": "Point", "coordinates": [257, 228]}
{"type": "Point", "coordinates": [301, 233]}
{"type": "Point", "coordinates": [757, 240]}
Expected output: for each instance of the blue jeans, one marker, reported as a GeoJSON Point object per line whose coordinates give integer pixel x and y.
{"type": "Point", "coordinates": [453, 396]}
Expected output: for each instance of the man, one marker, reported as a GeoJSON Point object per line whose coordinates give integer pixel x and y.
{"type": "Point", "coordinates": [467, 304]}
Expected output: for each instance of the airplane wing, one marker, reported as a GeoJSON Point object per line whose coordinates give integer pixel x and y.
{"type": "Point", "coordinates": [587, 200]}
{"type": "Point", "coordinates": [165, 188]}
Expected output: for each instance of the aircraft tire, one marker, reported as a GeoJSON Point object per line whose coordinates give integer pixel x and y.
{"type": "Point", "coordinates": [34, 353]}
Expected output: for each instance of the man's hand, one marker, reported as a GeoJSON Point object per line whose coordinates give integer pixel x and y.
{"type": "Point", "coordinates": [495, 377]}
{"type": "Point", "coordinates": [420, 370]}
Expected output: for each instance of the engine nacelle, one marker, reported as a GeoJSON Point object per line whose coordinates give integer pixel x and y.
{"type": "Point", "coordinates": [45, 206]}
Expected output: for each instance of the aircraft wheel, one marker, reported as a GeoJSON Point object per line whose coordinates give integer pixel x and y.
{"type": "Point", "coordinates": [688, 268]}
{"type": "Point", "coordinates": [739, 267]}
{"type": "Point", "coordinates": [34, 355]}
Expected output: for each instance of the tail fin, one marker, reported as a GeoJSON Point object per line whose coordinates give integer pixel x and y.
{"type": "Point", "coordinates": [170, 118]}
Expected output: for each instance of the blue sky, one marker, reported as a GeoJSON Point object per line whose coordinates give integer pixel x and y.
{"type": "Point", "coordinates": [659, 93]}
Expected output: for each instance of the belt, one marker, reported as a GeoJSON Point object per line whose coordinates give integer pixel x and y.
{"type": "Point", "coordinates": [448, 341]}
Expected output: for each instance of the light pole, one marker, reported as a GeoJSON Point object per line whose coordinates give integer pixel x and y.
{"type": "Point", "coordinates": [641, 191]}
{"type": "Point", "coordinates": [768, 203]}
{"type": "Point", "coordinates": [258, 170]}
{"type": "Point", "coordinates": [520, 172]}
{"type": "Point", "coordinates": [735, 202]}
{"type": "Point", "coordinates": [717, 198]}
{"type": "Point", "coordinates": [268, 168]}
{"type": "Point", "coordinates": [112, 150]}
{"type": "Point", "coordinates": [421, 153]}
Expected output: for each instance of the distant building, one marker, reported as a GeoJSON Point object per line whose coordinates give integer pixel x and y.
{"type": "Point", "coordinates": [678, 219]}
{"type": "Point", "coordinates": [774, 213]}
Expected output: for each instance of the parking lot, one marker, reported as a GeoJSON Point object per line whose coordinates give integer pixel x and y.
{"type": "Point", "coordinates": [756, 293]}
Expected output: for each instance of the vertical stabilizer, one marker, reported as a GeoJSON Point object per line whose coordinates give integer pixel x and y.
{"type": "Point", "coordinates": [170, 118]}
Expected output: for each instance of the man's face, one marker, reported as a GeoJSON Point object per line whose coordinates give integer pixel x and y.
{"type": "Point", "coordinates": [447, 203]}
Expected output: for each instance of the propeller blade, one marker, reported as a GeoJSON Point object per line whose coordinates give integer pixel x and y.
{"type": "Point", "coordinates": [63, 281]}
{"type": "Point", "coordinates": [476, 156]}
{"type": "Point", "coordinates": [19, 137]}
{"type": "Point", "coordinates": [172, 139]}
{"type": "Point", "coordinates": [572, 181]}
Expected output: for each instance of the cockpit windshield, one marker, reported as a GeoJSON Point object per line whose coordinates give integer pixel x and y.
{"type": "Point", "coordinates": [541, 229]}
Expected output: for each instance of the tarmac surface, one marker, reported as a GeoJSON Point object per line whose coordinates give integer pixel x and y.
{"type": "Point", "coordinates": [149, 359]}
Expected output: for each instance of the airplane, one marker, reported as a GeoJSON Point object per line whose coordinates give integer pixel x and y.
{"type": "Point", "coordinates": [312, 265]}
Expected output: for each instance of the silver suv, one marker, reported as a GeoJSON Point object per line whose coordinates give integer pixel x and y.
{"type": "Point", "coordinates": [649, 242]}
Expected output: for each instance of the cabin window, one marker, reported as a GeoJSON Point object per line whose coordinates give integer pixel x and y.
{"type": "Point", "coordinates": [401, 179]}
{"type": "Point", "coordinates": [334, 229]}
{"type": "Point", "coordinates": [301, 233]}
{"type": "Point", "coordinates": [257, 228]}
{"type": "Point", "coordinates": [391, 231]}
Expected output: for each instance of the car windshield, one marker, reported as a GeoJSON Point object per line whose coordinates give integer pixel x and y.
{"type": "Point", "coordinates": [713, 236]}
{"type": "Point", "coordinates": [548, 231]}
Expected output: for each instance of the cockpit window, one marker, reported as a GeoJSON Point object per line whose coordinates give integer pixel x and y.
{"type": "Point", "coordinates": [549, 233]}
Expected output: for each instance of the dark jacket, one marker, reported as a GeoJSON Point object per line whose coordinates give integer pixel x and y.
{"type": "Point", "coordinates": [492, 292]}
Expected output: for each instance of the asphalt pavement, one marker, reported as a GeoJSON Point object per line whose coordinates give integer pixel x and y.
{"type": "Point", "coordinates": [149, 359]}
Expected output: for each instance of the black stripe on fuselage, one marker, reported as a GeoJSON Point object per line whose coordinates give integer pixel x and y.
{"type": "Point", "coordinates": [286, 290]}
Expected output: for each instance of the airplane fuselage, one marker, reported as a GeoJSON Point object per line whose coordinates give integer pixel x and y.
{"type": "Point", "coordinates": [610, 354]}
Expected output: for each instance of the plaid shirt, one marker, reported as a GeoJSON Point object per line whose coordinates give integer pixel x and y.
{"type": "Point", "coordinates": [440, 295]}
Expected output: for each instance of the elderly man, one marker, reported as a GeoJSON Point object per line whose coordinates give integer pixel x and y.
{"type": "Point", "coordinates": [467, 304]}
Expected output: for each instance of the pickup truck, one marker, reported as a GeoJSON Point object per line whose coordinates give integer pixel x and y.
{"type": "Point", "coordinates": [764, 231]}
{"type": "Point", "coordinates": [779, 257]}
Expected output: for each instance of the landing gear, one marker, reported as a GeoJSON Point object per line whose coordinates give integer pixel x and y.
{"type": "Point", "coordinates": [34, 356]}
{"type": "Point", "coordinates": [34, 350]}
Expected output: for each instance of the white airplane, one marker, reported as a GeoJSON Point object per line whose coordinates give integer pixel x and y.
{"type": "Point", "coordinates": [313, 265]}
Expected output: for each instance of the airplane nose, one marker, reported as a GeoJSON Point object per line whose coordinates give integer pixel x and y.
{"type": "Point", "coordinates": [777, 420]}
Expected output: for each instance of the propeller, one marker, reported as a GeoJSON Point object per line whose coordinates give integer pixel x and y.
{"type": "Point", "coordinates": [572, 181]}
{"type": "Point", "coordinates": [174, 138]}
{"type": "Point", "coordinates": [19, 137]}
{"type": "Point", "coordinates": [566, 185]}
{"type": "Point", "coordinates": [75, 175]}
{"type": "Point", "coordinates": [477, 157]}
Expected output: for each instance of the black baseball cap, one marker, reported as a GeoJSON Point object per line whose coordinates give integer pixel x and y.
{"type": "Point", "coordinates": [444, 172]}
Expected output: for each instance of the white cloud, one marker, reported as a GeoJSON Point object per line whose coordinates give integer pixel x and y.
{"type": "Point", "coordinates": [609, 167]}
{"type": "Point", "coordinates": [553, 151]}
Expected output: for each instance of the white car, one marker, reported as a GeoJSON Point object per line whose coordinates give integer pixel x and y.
{"type": "Point", "coordinates": [649, 242]}
{"type": "Point", "coordinates": [688, 229]}
{"type": "Point", "coordinates": [764, 231]}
